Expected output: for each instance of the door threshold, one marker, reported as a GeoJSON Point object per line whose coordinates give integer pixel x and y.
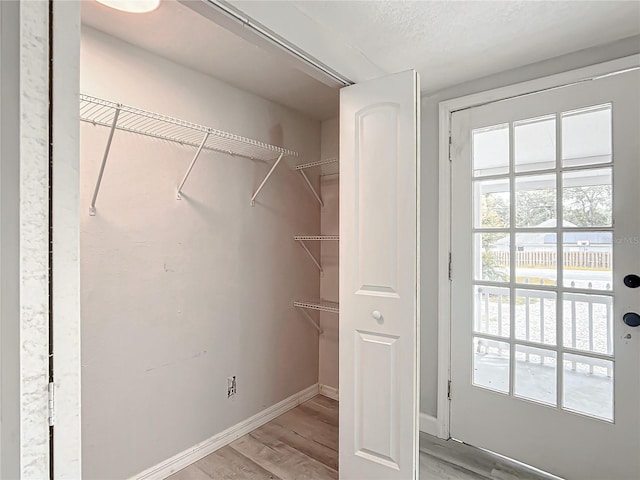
{"type": "Point", "coordinates": [487, 465]}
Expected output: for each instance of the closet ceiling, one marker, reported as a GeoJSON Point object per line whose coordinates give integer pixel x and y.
{"type": "Point", "coordinates": [181, 35]}
{"type": "Point", "coordinates": [448, 42]}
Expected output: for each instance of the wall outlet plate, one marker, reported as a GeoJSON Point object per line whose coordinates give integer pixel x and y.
{"type": "Point", "coordinates": [231, 386]}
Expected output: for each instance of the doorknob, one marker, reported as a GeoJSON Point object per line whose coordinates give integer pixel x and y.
{"type": "Point", "coordinates": [631, 318]}
{"type": "Point", "coordinates": [632, 280]}
{"type": "Point", "coordinates": [377, 315]}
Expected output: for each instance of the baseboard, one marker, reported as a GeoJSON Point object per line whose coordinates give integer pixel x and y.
{"type": "Point", "coordinates": [202, 449]}
{"type": "Point", "coordinates": [428, 424]}
{"type": "Point", "coordinates": [328, 391]}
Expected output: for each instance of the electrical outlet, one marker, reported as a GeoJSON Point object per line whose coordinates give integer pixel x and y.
{"type": "Point", "coordinates": [231, 386]}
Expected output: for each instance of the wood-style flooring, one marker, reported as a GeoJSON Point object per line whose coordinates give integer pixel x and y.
{"type": "Point", "coordinates": [301, 444]}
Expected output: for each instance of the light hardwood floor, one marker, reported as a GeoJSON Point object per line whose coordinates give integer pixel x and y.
{"type": "Point", "coordinates": [302, 444]}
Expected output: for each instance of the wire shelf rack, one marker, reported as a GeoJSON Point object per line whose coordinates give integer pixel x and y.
{"type": "Point", "coordinates": [301, 169]}
{"type": "Point", "coordinates": [316, 237]}
{"type": "Point", "coordinates": [98, 111]}
{"type": "Point", "coordinates": [304, 238]}
{"type": "Point", "coordinates": [319, 305]}
{"type": "Point", "coordinates": [117, 116]}
{"type": "Point", "coordinates": [318, 163]}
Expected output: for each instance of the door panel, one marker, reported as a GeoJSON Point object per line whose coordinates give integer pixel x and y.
{"type": "Point", "coordinates": [378, 279]}
{"type": "Point", "coordinates": [544, 228]}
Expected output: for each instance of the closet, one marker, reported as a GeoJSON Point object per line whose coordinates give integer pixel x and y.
{"type": "Point", "coordinates": [209, 240]}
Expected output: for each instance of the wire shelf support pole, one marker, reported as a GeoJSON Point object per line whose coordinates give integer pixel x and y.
{"type": "Point", "coordinates": [313, 190]}
{"type": "Point", "coordinates": [275, 165]}
{"type": "Point", "coordinates": [315, 260]}
{"type": "Point", "coordinates": [193, 162]}
{"type": "Point", "coordinates": [92, 208]}
{"type": "Point", "coordinates": [311, 320]}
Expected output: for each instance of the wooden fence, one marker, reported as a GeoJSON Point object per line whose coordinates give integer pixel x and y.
{"type": "Point", "coordinates": [599, 260]}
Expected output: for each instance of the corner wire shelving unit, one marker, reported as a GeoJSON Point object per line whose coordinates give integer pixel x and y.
{"type": "Point", "coordinates": [317, 305]}
{"type": "Point", "coordinates": [305, 166]}
{"type": "Point", "coordinates": [117, 116]}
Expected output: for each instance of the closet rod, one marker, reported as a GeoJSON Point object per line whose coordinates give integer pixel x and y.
{"type": "Point", "coordinates": [92, 207]}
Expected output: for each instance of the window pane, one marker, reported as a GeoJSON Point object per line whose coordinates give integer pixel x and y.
{"type": "Point", "coordinates": [491, 364]}
{"type": "Point", "coordinates": [536, 257]}
{"type": "Point", "coordinates": [491, 150]}
{"type": "Point", "coordinates": [491, 253]}
{"type": "Point", "coordinates": [491, 311]}
{"type": "Point", "coordinates": [535, 374]}
{"type": "Point", "coordinates": [586, 198]}
{"type": "Point", "coordinates": [536, 316]}
{"type": "Point", "coordinates": [586, 136]}
{"type": "Point", "coordinates": [588, 386]}
{"type": "Point", "coordinates": [588, 322]}
{"type": "Point", "coordinates": [588, 259]}
{"type": "Point", "coordinates": [491, 203]}
{"type": "Point", "coordinates": [535, 144]}
{"type": "Point", "coordinates": [536, 201]}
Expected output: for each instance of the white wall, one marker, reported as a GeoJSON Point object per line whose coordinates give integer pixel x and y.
{"type": "Point", "coordinates": [66, 241]}
{"type": "Point", "coordinates": [330, 187]}
{"type": "Point", "coordinates": [24, 233]}
{"type": "Point", "coordinates": [178, 295]}
{"type": "Point", "coordinates": [429, 186]}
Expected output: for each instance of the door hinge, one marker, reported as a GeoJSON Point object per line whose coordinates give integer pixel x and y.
{"type": "Point", "coordinates": [449, 390]}
{"type": "Point", "coordinates": [450, 266]}
{"type": "Point", "coordinates": [52, 404]}
{"type": "Point", "coordinates": [450, 143]}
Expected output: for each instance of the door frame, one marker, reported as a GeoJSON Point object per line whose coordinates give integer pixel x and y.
{"type": "Point", "coordinates": [447, 267]}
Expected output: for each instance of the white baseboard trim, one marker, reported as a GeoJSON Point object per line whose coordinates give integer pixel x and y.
{"type": "Point", "coordinates": [202, 449]}
{"type": "Point", "coordinates": [428, 424]}
{"type": "Point", "coordinates": [328, 391]}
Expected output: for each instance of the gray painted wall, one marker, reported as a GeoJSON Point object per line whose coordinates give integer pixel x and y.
{"type": "Point", "coordinates": [179, 295]}
{"type": "Point", "coordinates": [429, 186]}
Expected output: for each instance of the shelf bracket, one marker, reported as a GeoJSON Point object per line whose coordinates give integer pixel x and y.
{"type": "Point", "coordinates": [193, 162]}
{"type": "Point", "coordinates": [275, 165]}
{"type": "Point", "coordinates": [311, 320]}
{"type": "Point", "coordinates": [315, 260]}
{"type": "Point", "coordinates": [313, 190]}
{"type": "Point", "coordinates": [92, 208]}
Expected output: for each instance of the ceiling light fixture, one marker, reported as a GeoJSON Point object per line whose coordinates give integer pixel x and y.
{"type": "Point", "coordinates": [131, 6]}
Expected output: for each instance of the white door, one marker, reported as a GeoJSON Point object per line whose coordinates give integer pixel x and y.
{"type": "Point", "coordinates": [379, 124]}
{"type": "Point", "coordinates": [545, 227]}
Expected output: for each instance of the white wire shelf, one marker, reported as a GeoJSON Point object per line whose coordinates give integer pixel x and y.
{"type": "Point", "coordinates": [135, 120]}
{"type": "Point", "coordinates": [304, 238]}
{"type": "Point", "coordinates": [319, 305]}
{"type": "Point", "coordinates": [317, 237]}
{"type": "Point", "coordinates": [117, 116]}
{"type": "Point", "coordinates": [318, 163]}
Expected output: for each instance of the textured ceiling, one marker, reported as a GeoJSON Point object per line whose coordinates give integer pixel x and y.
{"type": "Point", "coordinates": [179, 34]}
{"type": "Point", "coordinates": [451, 42]}
{"type": "Point", "coordinates": [448, 42]}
